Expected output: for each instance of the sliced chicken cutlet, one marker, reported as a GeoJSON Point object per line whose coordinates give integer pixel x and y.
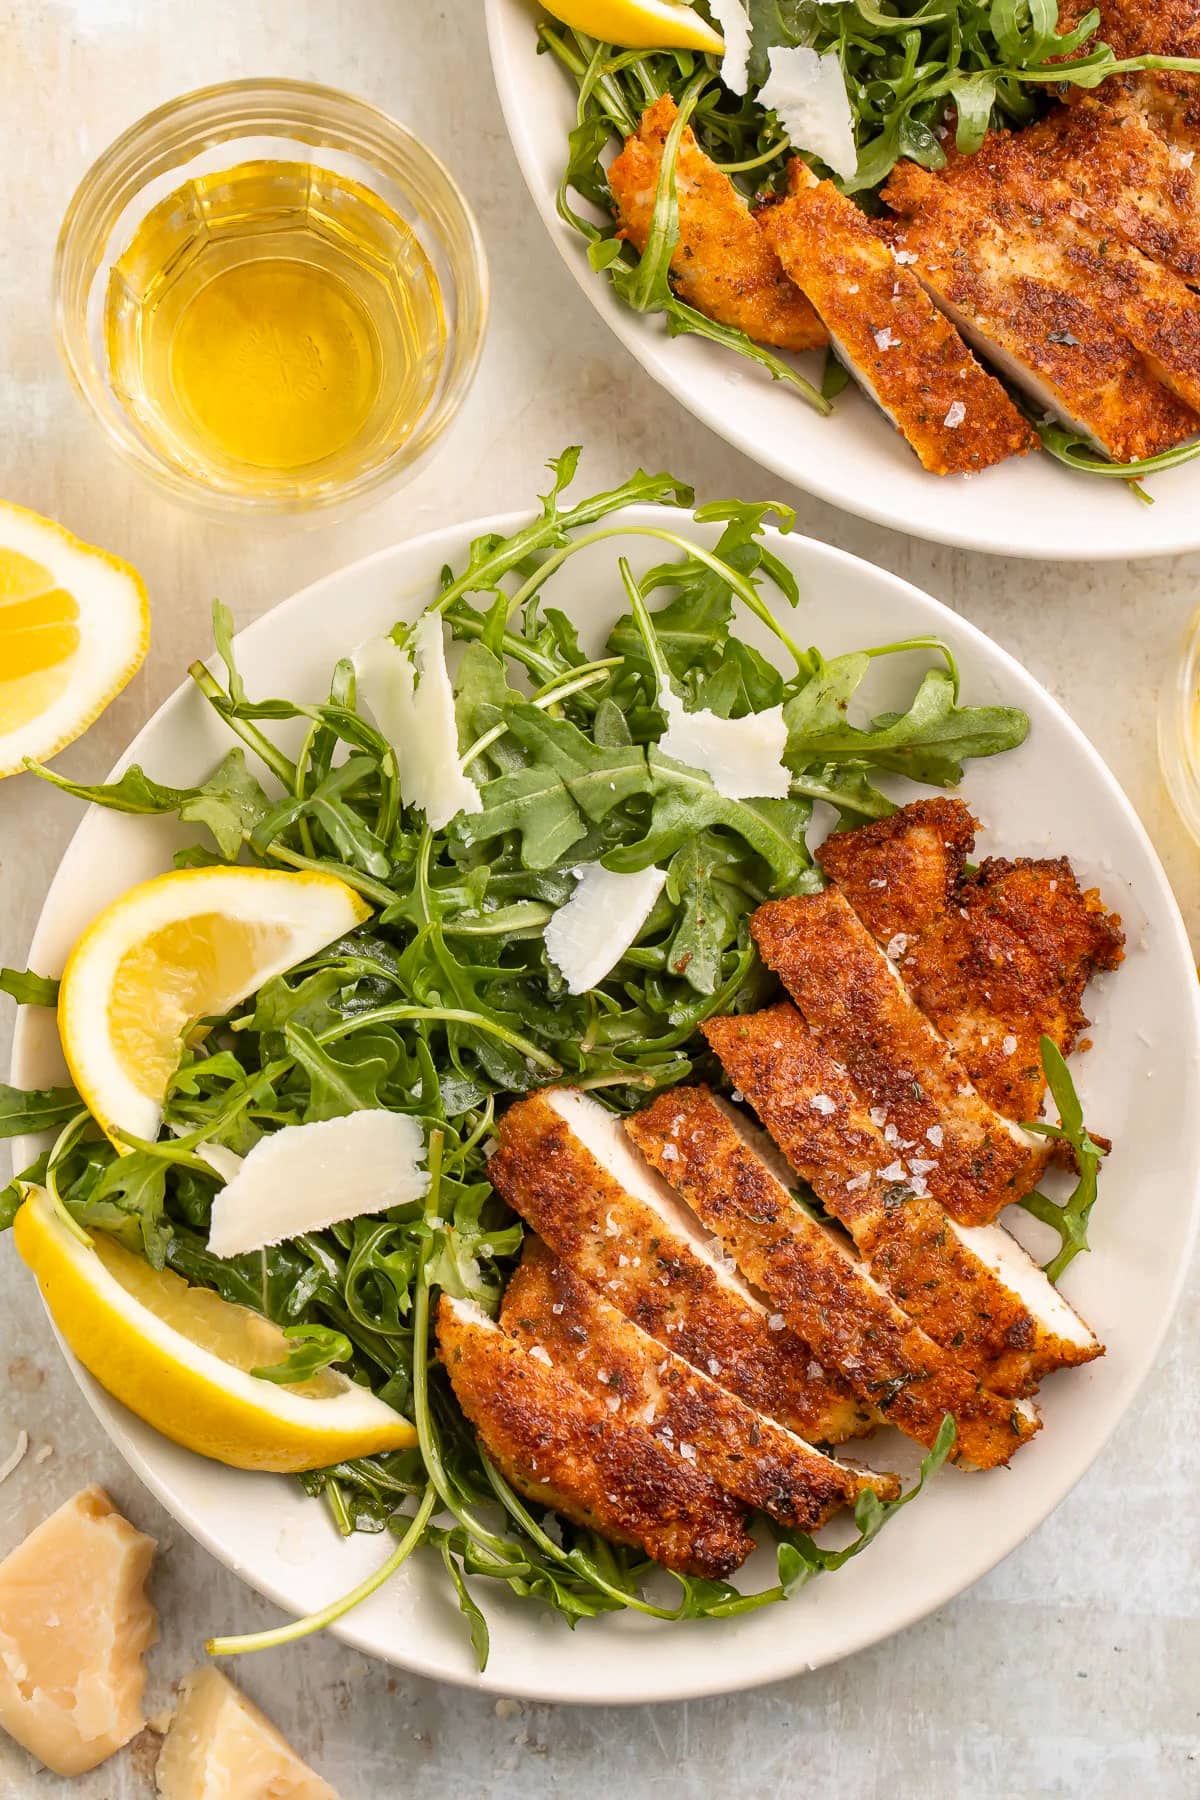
{"type": "Point", "coordinates": [997, 962]}
{"type": "Point", "coordinates": [722, 265]}
{"type": "Point", "coordinates": [1168, 101]}
{"type": "Point", "coordinates": [1015, 186]}
{"type": "Point", "coordinates": [888, 333]}
{"type": "Point", "coordinates": [1049, 335]}
{"type": "Point", "coordinates": [567, 1167]}
{"type": "Point", "coordinates": [752, 1457]}
{"type": "Point", "coordinates": [562, 1448]}
{"type": "Point", "coordinates": [714, 1158]}
{"type": "Point", "coordinates": [974, 1290]}
{"type": "Point", "coordinates": [860, 1009]}
{"type": "Point", "coordinates": [901, 873]}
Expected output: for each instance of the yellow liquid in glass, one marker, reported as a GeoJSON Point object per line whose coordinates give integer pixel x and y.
{"type": "Point", "coordinates": [275, 327]}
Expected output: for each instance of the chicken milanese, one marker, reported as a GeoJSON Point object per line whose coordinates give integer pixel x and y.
{"type": "Point", "coordinates": [710, 1303]}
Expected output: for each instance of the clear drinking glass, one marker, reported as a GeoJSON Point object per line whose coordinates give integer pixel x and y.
{"type": "Point", "coordinates": [1179, 730]}
{"type": "Point", "coordinates": [154, 213]}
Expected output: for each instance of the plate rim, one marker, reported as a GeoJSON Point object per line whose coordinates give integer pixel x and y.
{"type": "Point", "coordinates": [635, 336]}
{"type": "Point", "coordinates": [112, 1416]}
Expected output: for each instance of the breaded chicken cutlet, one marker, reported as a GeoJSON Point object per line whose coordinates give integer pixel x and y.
{"type": "Point", "coordinates": [564, 1164]}
{"type": "Point", "coordinates": [867, 1020]}
{"type": "Point", "coordinates": [974, 1290]}
{"type": "Point", "coordinates": [560, 1447]}
{"type": "Point", "coordinates": [1167, 100]}
{"type": "Point", "coordinates": [722, 266]}
{"type": "Point", "coordinates": [996, 961]}
{"type": "Point", "coordinates": [727, 1174]}
{"type": "Point", "coordinates": [547, 1304]}
{"type": "Point", "coordinates": [888, 333]}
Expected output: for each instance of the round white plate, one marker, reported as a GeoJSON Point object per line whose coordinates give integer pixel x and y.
{"type": "Point", "coordinates": [1141, 1085]}
{"type": "Point", "coordinates": [1030, 506]}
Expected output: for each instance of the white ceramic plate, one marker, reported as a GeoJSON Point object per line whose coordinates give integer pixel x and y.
{"type": "Point", "coordinates": [1141, 1084]}
{"type": "Point", "coordinates": [1031, 506]}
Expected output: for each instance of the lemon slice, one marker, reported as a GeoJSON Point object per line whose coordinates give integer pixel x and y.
{"type": "Point", "coordinates": [179, 1357]}
{"type": "Point", "coordinates": [639, 24]}
{"type": "Point", "coordinates": [175, 949]}
{"type": "Point", "coordinates": [74, 626]}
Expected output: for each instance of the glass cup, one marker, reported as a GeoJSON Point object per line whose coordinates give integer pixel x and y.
{"type": "Point", "coordinates": [1179, 730]}
{"type": "Point", "coordinates": [171, 163]}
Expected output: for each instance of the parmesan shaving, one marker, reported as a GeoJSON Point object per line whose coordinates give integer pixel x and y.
{"type": "Point", "coordinates": [807, 92]}
{"type": "Point", "coordinates": [743, 758]}
{"type": "Point", "coordinates": [590, 934]}
{"type": "Point", "coordinates": [306, 1177]}
{"type": "Point", "coordinates": [15, 1456]}
{"type": "Point", "coordinates": [734, 24]}
{"type": "Point", "coordinates": [414, 709]}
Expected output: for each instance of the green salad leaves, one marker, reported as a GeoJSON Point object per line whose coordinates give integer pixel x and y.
{"type": "Point", "coordinates": [444, 1003]}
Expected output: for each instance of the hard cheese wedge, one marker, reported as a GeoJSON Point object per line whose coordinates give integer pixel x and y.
{"type": "Point", "coordinates": [220, 1747]}
{"type": "Point", "coordinates": [74, 1624]}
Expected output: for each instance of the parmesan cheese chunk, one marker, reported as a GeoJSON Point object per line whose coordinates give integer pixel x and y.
{"type": "Point", "coordinates": [734, 23]}
{"type": "Point", "coordinates": [743, 758]}
{"type": "Point", "coordinates": [414, 709]}
{"type": "Point", "coordinates": [305, 1177]}
{"type": "Point", "coordinates": [220, 1747]}
{"type": "Point", "coordinates": [74, 1624]}
{"type": "Point", "coordinates": [807, 92]}
{"type": "Point", "coordinates": [590, 934]}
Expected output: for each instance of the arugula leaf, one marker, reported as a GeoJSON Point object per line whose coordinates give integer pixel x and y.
{"type": "Point", "coordinates": [42, 1109]}
{"type": "Point", "coordinates": [28, 989]}
{"type": "Point", "coordinates": [596, 777]}
{"type": "Point", "coordinates": [685, 802]}
{"type": "Point", "coordinates": [1068, 1217]}
{"type": "Point", "coordinates": [709, 909]}
{"type": "Point", "coordinates": [343, 1078]}
{"type": "Point", "coordinates": [230, 803]}
{"type": "Point", "coordinates": [129, 1201]}
{"type": "Point", "coordinates": [314, 1347]}
{"type": "Point", "coordinates": [928, 743]}
{"type": "Point", "coordinates": [533, 802]}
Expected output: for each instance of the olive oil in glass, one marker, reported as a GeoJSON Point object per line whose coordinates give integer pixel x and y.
{"type": "Point", "coordinates": [274, 329]}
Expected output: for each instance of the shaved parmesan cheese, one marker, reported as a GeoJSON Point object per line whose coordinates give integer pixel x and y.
{"type": "Point", "coordinates": [742, 757]}
{"type": "Point", "coordinates": [734, 23]}
{"type": "Point", "coordinates": [15, 1456]}
{"type": "Point", "coordinates": [807, 92]}
{"type": "Point", "coordinates": [306, 1177]}
{"type": "Point", "coordinates": [590, 934]}
{"type": "Point", "coordinates": [414, 709]}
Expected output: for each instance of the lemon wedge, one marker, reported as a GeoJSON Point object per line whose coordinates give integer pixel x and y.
{"type": "Point", "coordinates": [74, 627]}
{"type": "Point", "coordinates": [180, 1357]}
{"type": "Point", "coordinates": [175, 949]}
{"type": "Point", "coordinates": [639, 24]}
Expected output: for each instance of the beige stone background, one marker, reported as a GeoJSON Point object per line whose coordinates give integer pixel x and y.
{"type": "Point", "coordinates": [1074, 1669]}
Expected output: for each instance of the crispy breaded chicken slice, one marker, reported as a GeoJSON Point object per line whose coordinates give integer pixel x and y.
{"type": "Point", "coordinates": [860, 1009]}
{"type": "Point", "coordinates": [997, 961]}
{"type": "Point", "coordinates": [710, 1153]}
{"type": "Point", "coordinates": [1016, 186]}
{"type": "Point", "coordinates": [901, 873]}
{"type": "Point", "coordinates": [722, 266]}
{"type": "Point", "coordinates": [974, 1290]}
{"type": "Point", "coordinates": [1168, 101]}
{"type": "Point", "coordinates": [562, 1448]}
{"type": "Point", "coordinates": [888, 333]}
{"type": "Point", "coordinates": [752, 1457]}
{"type": "Point", "coordinates": [566, 1166]}
{"type": "Point", "coordinates": [1048, 333]}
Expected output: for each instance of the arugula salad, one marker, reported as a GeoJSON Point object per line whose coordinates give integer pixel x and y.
{"type": "Point", "coordinates": [918, 82]}
{"type": "Point", "coordinates": [446, 1003]}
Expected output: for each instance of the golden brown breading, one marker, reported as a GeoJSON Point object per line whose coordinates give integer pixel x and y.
{"type": "Point", "coordinates": [1050, 334]}
{"type": "Point", "coordinates": [996, 961]}
{"type": "Point", "coordinates": [1168, 101]}
{"type": "Point", "coordinates": [889, 334]}
{"type": "Point", "coordinates": [901, 873]}
{"type": "Point", "coordinates": [747, 1454]}
{"type": "Point", "coordinates": [664, 1284]}
{"type": "Point", "coordinates": [1008, 964]}
{"type": "Point", "coordinates": [944, 1276]}
{"type": "Point", "coordinates": [722, 265]}
{"type": "Point", "coordinates": [561, 1448]}
{"type": "Point", "coordinates": [862, 1013]}
{"type": "Point", "coordinates": [1017, 188]}
{"type": "Point", "coordinates": [702, 1147]}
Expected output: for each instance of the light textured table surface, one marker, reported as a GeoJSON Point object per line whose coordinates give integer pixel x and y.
{"type": "Point", "coordinates": [1074, 1669]}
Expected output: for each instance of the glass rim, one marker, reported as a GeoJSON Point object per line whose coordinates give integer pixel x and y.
{"type": "Point", "coordinates": [1178, 748]}
{"type": "Point", "coordinates": [205, 117]}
